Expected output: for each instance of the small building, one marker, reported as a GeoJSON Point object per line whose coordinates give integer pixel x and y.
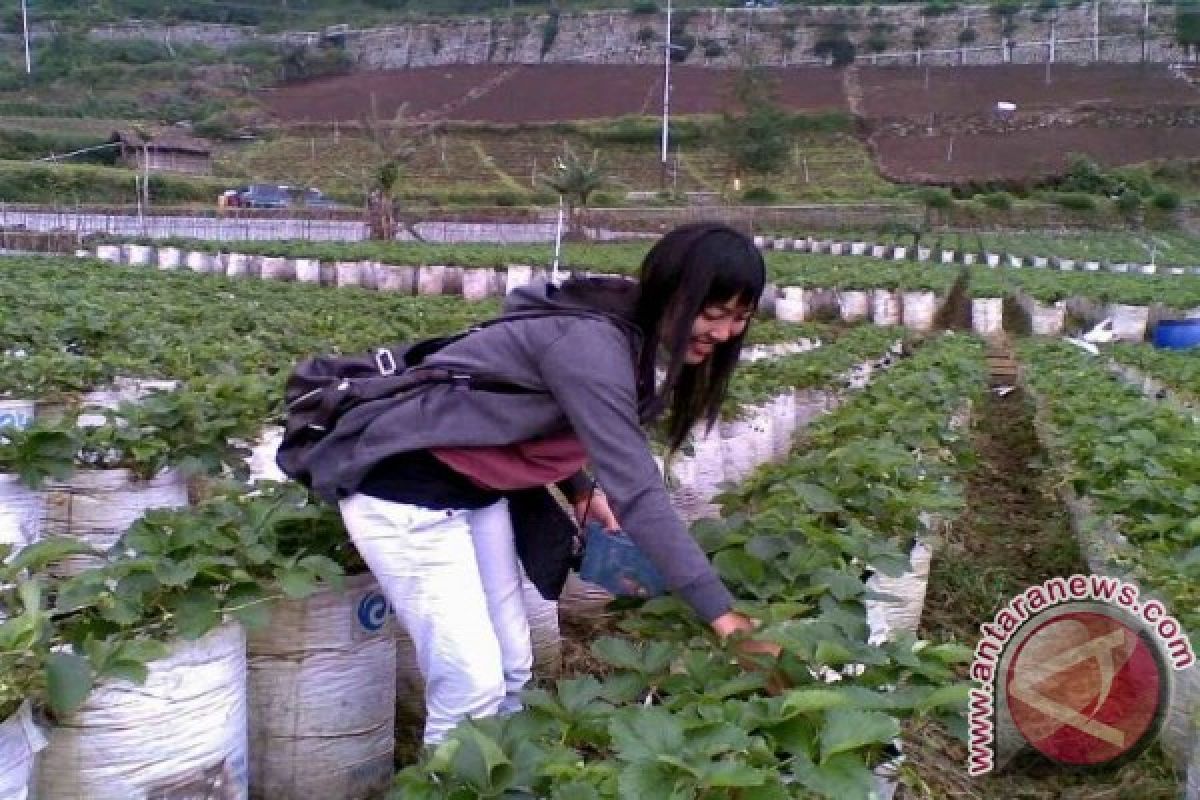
{"type": "Point", "coordinates": [168, 151]}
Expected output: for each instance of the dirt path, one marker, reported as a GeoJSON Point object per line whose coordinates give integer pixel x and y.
{"type": "Point", "coordinates": [1013, 534]}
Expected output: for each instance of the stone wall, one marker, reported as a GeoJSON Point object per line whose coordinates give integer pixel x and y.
{"type": "Point", "coordinates": [1102, 31]}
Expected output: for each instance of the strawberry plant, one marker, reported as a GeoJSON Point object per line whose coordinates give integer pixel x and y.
{"type": "Point", "coordinates": [1177, 369]}
{"type": "Point", "coordinates": [1134, 459]}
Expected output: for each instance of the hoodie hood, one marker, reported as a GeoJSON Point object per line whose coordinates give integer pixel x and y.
{"type": "Point", "coordinates": [615, 298]}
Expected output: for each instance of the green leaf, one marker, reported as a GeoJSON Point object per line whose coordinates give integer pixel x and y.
{"type": "Point", "coordinates": [246, 603]}
{"type": "Point", "coordinates": [174, 573]}
{"type": "Point", "coordinates": [297, 583]}
{"type": "Point", "coordinates": [645, 734]}
{"type": "Point", "coordinates": [41, 554]}
{"type": "Point", "coordinates": [818, 499]}
{"type": "Point", "coordinates": [68, 681]}
{"type": "Point", "coordinates": [847, 730]}
{"type": "Point", "coordinates": [844, 776]}
{"type": "Point", "coordinates": [575, 791]}
{"type": "Point", "coordinates": [196, 613]}
{"type": "Point", "coordinates": [144, 650]}
{"type": "Point", "coordinates": [132, 671]}
{"type": "Point", "coordinates": [578, 693]}
{"type": "Point", "coordinates": [648, 779]}
{"type": "Point", "coordinates": [481, 763]}
{"type": "Point", "coordinates": [807, 701]}
{"type": "Point", "coordinates": [620, 653]}
{"type": "Point", "coordinates": [954, 697]}
{"type": "Point", "coordinates": [732, 774]}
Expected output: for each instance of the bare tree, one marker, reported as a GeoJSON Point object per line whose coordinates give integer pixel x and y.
{"type": "Point", "coordinates": [392, 143]}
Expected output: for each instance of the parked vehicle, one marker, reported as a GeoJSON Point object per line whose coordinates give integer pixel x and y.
{"type": "Point", "coordinates": [261, 195]}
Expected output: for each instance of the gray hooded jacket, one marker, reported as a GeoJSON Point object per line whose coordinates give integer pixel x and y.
{"type": "Point", "coordinates": [584, 363]}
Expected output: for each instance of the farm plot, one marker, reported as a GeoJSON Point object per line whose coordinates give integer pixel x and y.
{"type": "Point", "coordinates": [83, 324]}
{"type": "Point", "coordinates": [524, 94]}
{"type": "Point", "coordinates": [1023, 155]}
{"type": "Point", "coordinates": [177, 574]}
{"type": "Point", "coordinates": [902, 91]}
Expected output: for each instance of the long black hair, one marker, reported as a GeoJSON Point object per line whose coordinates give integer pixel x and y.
{"type": "Point", "coordinates": [692, 267]}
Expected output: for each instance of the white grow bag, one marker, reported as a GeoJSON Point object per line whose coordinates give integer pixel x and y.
{"type": "Point", "coordinates": [792, 305]}
{"type": "Point", "coordinates": [1129, 322]}
{"type": "Point", "coordinates": [98, 506]}
{"type": "Point", "coordinates": [389, 278]}
{"type": "Point", "coordinates": [16, 412]}
{"type": "Point", "coordinates": [854, 305]}
{"type": "Point", "coordinates": [307, 270]}
{"type": "Point", "coordinates": [987, 315]}
{"type": "Point", "coordinates": [476, 283]}
{"type": "Point", "coordinates": [920, 308]}
{"type": "Point", "coordinates": [20, 742]}
{"type": "Point", "coordinates": [199, 262]}
{"type": "Point", "coordinates": [277, 269]}
{"type": "Point", "coordinates": [169, 257]}
{"type": "Point", "coordinates": [181, 734]}
{"type": "Point", "coordinates": [887, 618]}
{"type": "Point", "coordinates": [239, 265]}
{"type": "Point", "coordinates": [322, 696]}
{"type": "Point", "coordinates": [22, 511]}
{"type": "Point", "coordinates": [262, 456]}
{"type": "Point", "coordinates": [885, 307]}
{"type": "Point", "coordinates": [431, 280]}
{"type": "Point", "coordinates": [518, 275]}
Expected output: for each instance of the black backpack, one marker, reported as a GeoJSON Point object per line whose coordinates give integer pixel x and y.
{"type": "Point", "coordinates": [322, 389]}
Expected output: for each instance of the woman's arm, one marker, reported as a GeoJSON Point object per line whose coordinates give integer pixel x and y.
{"type": "Point", "coordinates": [590, 373]}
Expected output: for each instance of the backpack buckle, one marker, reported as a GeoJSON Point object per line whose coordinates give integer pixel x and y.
{"type": "Point", "coordinates": [385, 361]}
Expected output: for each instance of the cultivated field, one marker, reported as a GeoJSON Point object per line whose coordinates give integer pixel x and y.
{"type": "Point", "coordinates": [550, 93]}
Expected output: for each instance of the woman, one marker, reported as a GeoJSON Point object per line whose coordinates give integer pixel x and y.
{"type": "Point", "coordinates": [422, 491]}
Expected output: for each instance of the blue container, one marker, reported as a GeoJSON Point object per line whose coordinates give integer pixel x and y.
{"type": "Point", "coordinates": [1177, 334]}
{"type": "Point", "coordinates": [613, 561]}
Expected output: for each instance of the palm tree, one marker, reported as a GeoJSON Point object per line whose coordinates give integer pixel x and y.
{"type": "Point", "coordinates": [575, 180]}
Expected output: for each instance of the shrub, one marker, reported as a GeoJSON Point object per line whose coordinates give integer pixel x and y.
{"type": "Point", "coordinates": [647, 35]}
{"type": "Point", "coordinates": [1000, 201]}
{"type": "Point", "coordinates": [937, 199]}
{"type": "Point", "coordinates": [643, 7]}
{"type": "Point", "coordinates": [1166, 201]}
{"type": "Point", "coordinates": [1076, 201]}
{"type": "Point", "coordinates": [1128, 202]}
{"type": "Point", "coordinates": [839, 49]}
{"type": "Point", "coordinates": [759, 194]}
{"type": "Point", "coordinates": [712, 48]}
{"type": "Point", "coordinates": [967, 36]}
{"type": "Point", "coordinates": [549, 32]}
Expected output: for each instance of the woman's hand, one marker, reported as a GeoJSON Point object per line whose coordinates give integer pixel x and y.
{"type": "Point", "coordinates": [598, 511]}
{"type": "Point", "coordinates": [750, 651]}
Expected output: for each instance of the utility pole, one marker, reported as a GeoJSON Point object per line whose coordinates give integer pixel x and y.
{"type": "Point", "coordinates": [666, 96]}
{"type": "Point", "coordinates": [25, 25]}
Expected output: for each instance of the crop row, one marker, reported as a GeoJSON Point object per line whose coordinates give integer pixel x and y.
{"type": "Point", "coordinates": [1174, 369]}
{"type": "Point", "coordinates": [676, 716]}
{"type": "Point", "coordinates": [1108, 433]}
{"type": "Point", "coordinates": [1128, 469]}
{"type": "Point", "coordinates": [1169, 255]}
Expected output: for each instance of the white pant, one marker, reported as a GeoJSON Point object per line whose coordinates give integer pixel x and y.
{"type": "Point", "coordinates": [454, 581]}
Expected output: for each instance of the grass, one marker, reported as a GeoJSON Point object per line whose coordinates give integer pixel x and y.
{"type": "Point", "coordinates": [506, 162]}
